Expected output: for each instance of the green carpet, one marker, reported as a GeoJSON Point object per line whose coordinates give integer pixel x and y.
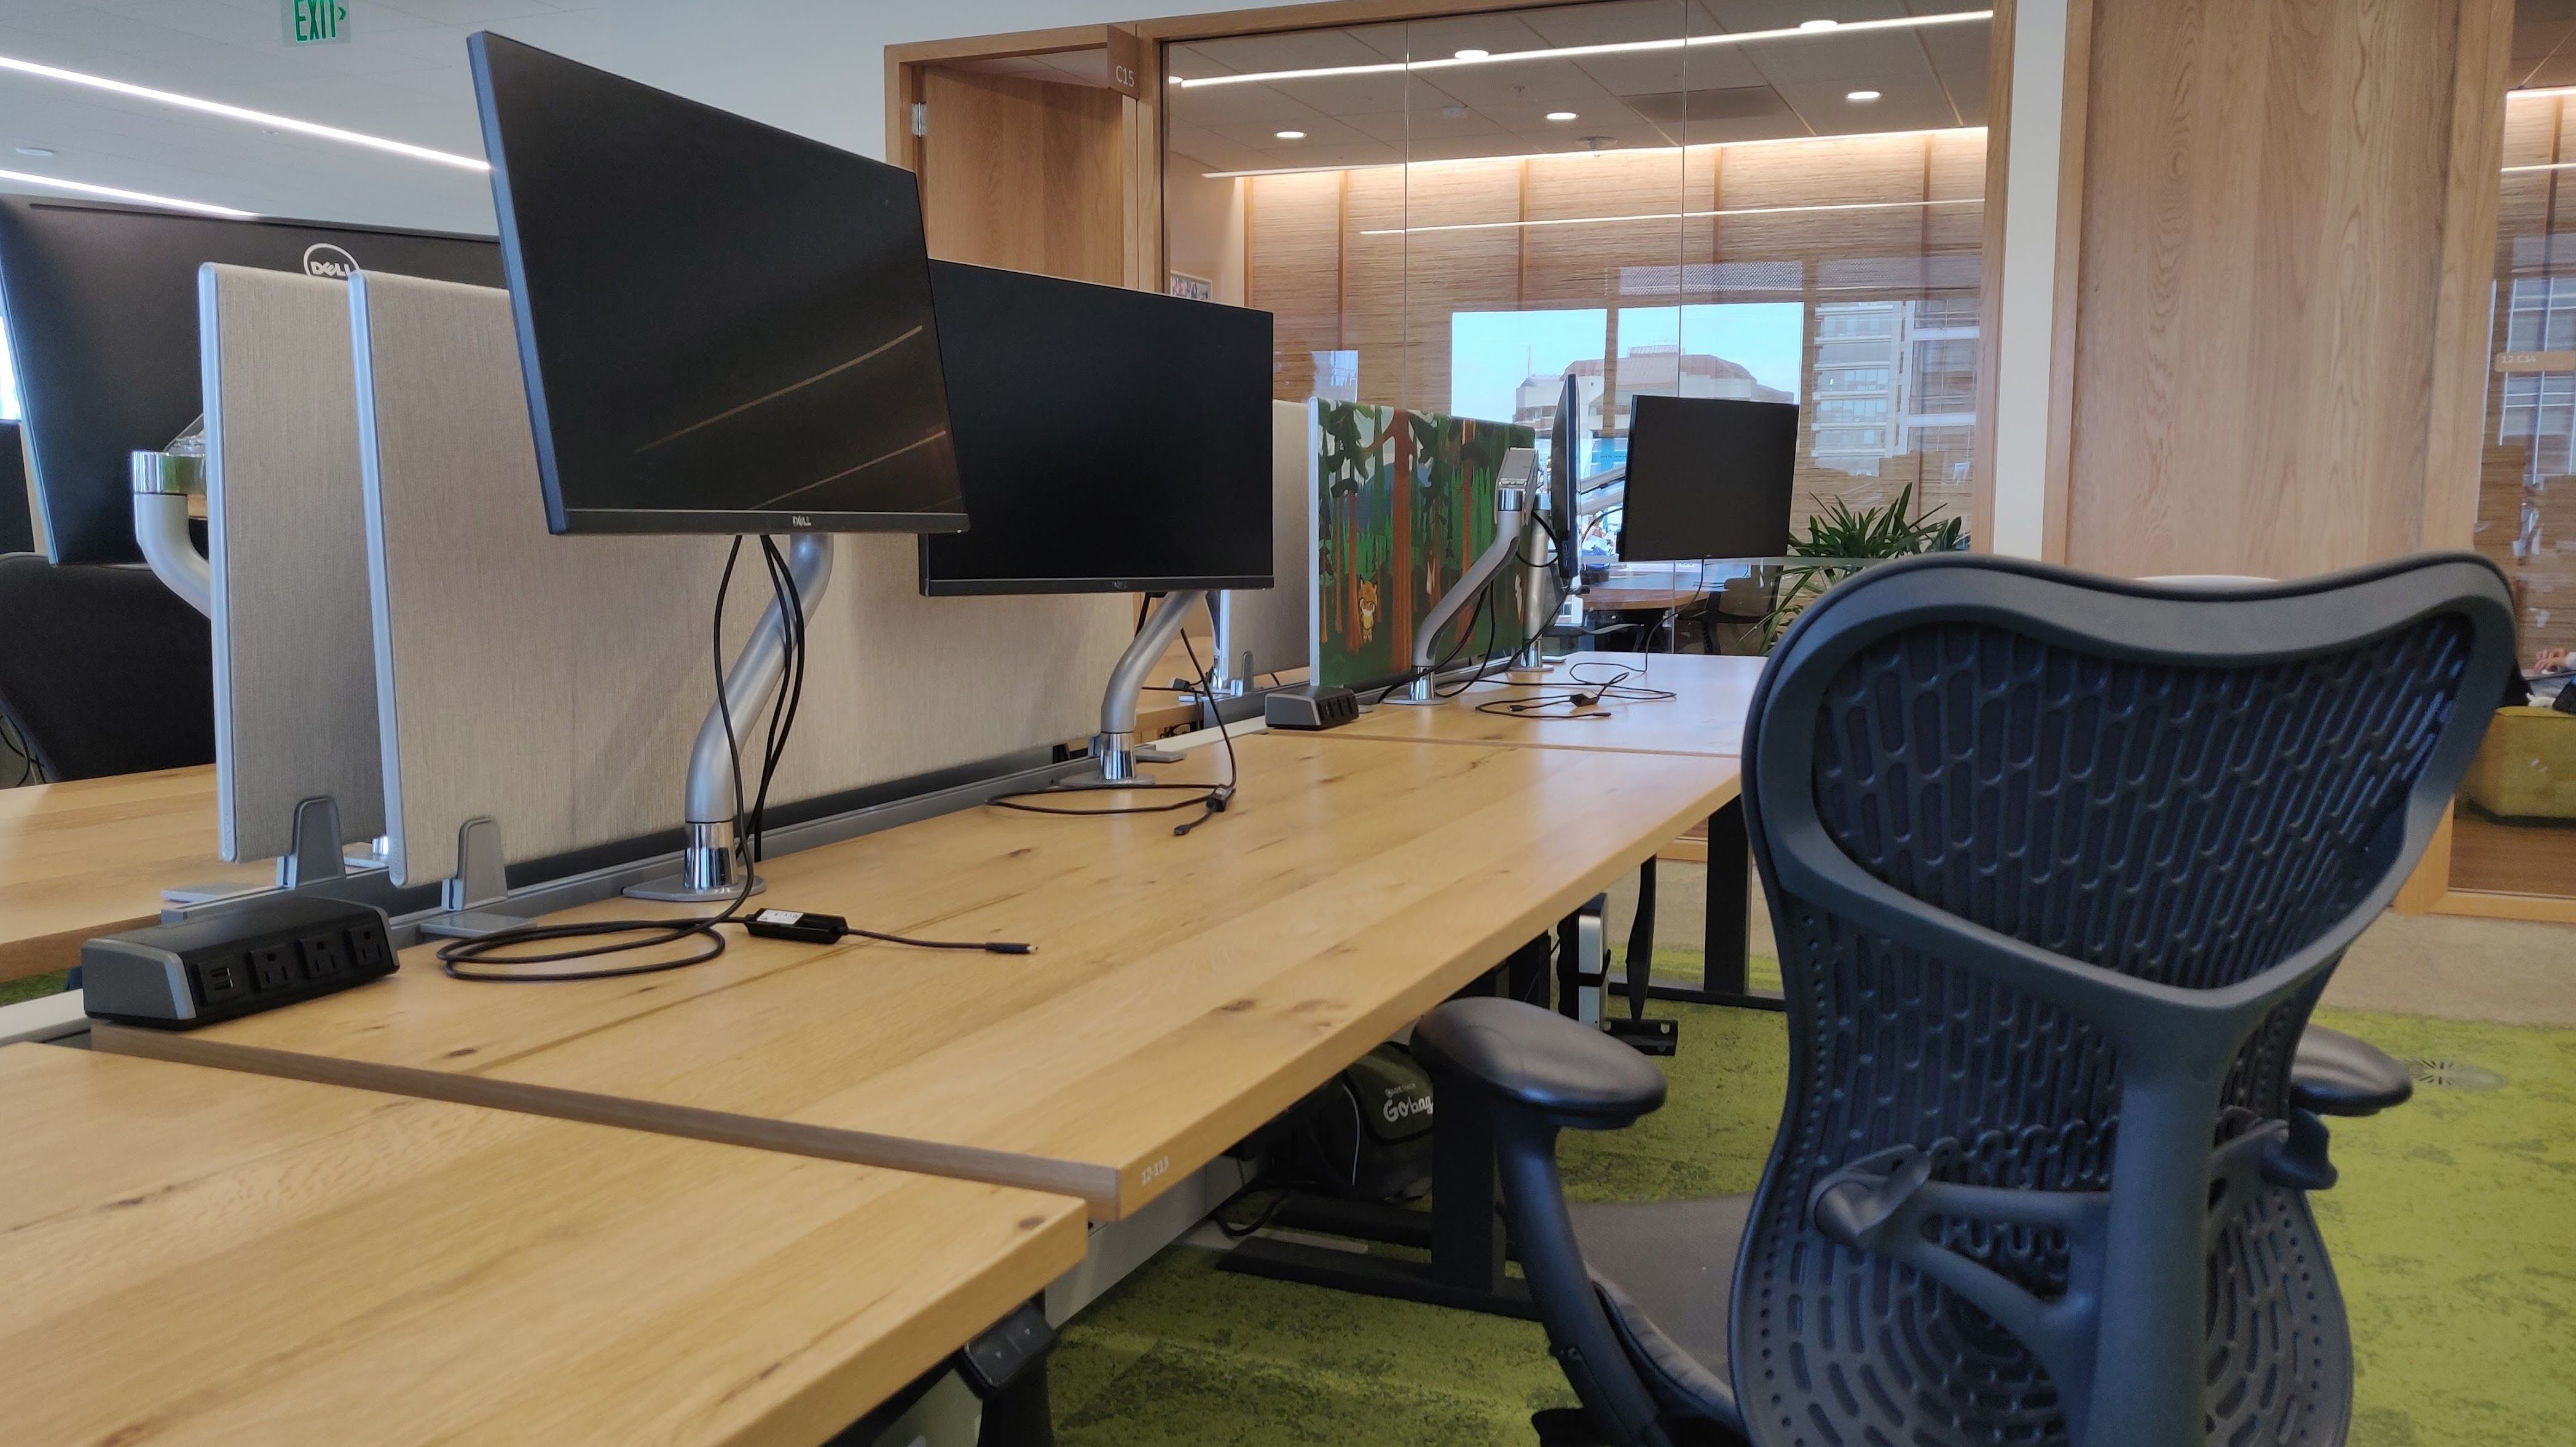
{"type": "Point", "coordinates": [31, 988]}
{"type": "Point", "coordinates": [2451, 1231]}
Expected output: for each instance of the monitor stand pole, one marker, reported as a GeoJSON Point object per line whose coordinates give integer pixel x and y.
{"type": "Point", "coordinates": [711, 862]}
{"type": "Point", "coordinates": [1510, 522]}
{"type": "Point", "coordinates": [1113, 749]}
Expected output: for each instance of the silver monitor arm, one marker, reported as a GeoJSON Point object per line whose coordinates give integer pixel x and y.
{"type": "Point", "coordinates": [1113, 749]}
{"type": "Point", "coordinates": [162, 483]}
{"type": "Point", "coordinates": [711, 857]}
{"type": "Point", "coordinates": [1511, 523]}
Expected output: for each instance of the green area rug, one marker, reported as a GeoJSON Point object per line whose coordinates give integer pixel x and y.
{"type": "Point", "coordinates": [2453, 1232]}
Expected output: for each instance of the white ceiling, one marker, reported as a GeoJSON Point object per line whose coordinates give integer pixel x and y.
{"type": "Point", "coordinates": [401, 75]}
{"type": "Point", "coordinates": [1928, 77]}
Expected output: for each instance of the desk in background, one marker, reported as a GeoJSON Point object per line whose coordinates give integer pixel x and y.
{"type": "Point", "coordinates": [91, 857]}
{"type": "Point", "coordinates": [200, 1257]}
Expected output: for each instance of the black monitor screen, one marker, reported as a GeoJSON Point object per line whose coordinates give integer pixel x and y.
{"type": "Point", "coordinates": [101, 305]}
{"type": "Point", "coordinates": [1110, 439]}
{"type": "Point", "coordinates": [1708, 477]}
{"type": "Point", "coordinates": [724, 327]}
{"type": "Point", "coordinates": [1563, 501]}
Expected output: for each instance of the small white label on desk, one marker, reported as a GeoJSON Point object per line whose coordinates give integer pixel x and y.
{"type": "Point", "coordinates": [779, 916]}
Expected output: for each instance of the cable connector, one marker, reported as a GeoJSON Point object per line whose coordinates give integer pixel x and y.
{"type": "Point", "coordinates": [831, 929]}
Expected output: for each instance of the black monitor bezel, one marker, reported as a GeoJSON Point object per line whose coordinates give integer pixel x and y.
{"type": "Point", "coordinates": [691, 521]}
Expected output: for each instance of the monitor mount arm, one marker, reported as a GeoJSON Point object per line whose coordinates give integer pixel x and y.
{"type": "Point", "coordinates": [711, 864]}
{"type": "Point", "coordinates": [1511, 521]}
{"type": "Point", "coordinates": [1113, 749]}
{"type": "Point", "coordinates": [162, 483]}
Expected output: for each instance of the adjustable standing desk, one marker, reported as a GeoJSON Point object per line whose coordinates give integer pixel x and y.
{"type": "Point", "coordinates": [92, 856]}
{"type": "Point", "coordinates": [200, 1257]}
{"type": "Point", "coordinates": [1185, 990]}
{"type": "Point", "coordinates": [1706, 717]}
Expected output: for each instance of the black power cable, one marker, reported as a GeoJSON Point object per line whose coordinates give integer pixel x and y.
{"type": "Point", "coordinates": [1209, 800]}
{"type": "Point", "coordinates": [749, 841]}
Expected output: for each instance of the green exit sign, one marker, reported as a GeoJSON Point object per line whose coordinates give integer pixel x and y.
{"type": "Point", "coordinates": [315, 22]}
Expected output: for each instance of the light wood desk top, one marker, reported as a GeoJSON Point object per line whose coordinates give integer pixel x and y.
{"type": "Point", "coordinates": [1705, 716]}
{"type": "Point", "coordinates": [92, 856]}
{"type": "Point", "coordinates": [1185, 990]}
{"type": "Point", "coordinates": [203, 1257]}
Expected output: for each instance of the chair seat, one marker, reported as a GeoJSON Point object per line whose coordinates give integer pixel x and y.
{"type": "Point", "coordinates": [1666, 1272]}
{"type": "Point", "coordinates": [2336, 1074]}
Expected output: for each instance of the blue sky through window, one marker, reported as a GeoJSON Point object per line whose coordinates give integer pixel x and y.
{"type": "Point", "coordinates": [1492, 353]}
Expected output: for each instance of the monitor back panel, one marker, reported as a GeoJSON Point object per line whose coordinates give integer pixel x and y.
{"type": "Point", "coordinates": [295, 667]}
{"type": "Point", "coordinates": [1276, 623]}
{"type": "Point", "coordinates": [555, 684]}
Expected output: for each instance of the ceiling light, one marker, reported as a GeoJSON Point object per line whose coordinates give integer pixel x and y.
{"type": "Point", "coordinates": [1820, 25]}
{"type": "Point", "coordinates": [1861, 97]}
{"type": "Point", "coordinates": [1577, 52]}
{"type": "Point", "coordinates": [1290, 135]}
{"type": "Point", "coordinates": [1696, 148]}
{"type": "Point", "coordinates": [1171, 80]}
{"type": "Point", "coordinates": [1561, 116]}
{"type": "Point", "coordinates": [1673, 216]}
{"type": "Point", "coordinates": [239, 113]}
{"type": "Point", "coordinates": [35, 150]}
{"type": "Point", "coordinates": [114, 193]}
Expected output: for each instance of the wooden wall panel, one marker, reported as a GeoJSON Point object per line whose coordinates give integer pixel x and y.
{"type": "Point", "coordinates": [1582, 265]}
{"type": "Point", "coordinates": [2261, 226]}
{"type": "Point", "coordinates": [1445, 272]}
{"type": "Point", "coordinates": [1373, 279]}
{"type": "Point", "coordinates": [1025, 174]}
{"type": "Point", "coordinates": [1293, 270]}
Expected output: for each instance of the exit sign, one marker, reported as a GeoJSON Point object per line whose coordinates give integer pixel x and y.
{"type": "Point", "coordinates": [315, 22]}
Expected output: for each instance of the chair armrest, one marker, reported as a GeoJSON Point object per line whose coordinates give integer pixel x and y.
{"type": "Point", "coordinates": [1566, 1073]}
{"type": "Point", "coordinates": [2336, 1074]}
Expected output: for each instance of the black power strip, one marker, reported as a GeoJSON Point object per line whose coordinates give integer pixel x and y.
{"type": "Point", "coordinates": [235, 961]}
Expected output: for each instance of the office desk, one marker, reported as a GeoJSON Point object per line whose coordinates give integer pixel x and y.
{"type": "Point", "coordinates": [1185, 990]}
{"type": "Point", "coordinates": [92, 856]}
{"type": "Point", "coordinates": [1706, 715]}
{"type": "Point", "coordinates": [198, 1256]}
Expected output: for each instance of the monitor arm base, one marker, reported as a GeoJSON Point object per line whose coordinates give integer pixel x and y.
{"type": "Point", "coordinates": [1510, 523]}
{"type": "Point", "coordinates": [1114, 754]}
{"type": "Point", "coordinates": [711, 862]}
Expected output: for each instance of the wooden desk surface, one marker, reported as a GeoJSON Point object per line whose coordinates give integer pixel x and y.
{"type": "Point", "coordinates": [1705, 716]}
{"type": "Point", "coordinates": [1185, 990]}
{"type": "Point", "coordinates": [202, 1257]}
{"type": "Point", "coordinates": [92, 856]}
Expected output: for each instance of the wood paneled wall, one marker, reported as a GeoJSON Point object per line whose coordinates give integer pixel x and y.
{"type": "Point", "coordinates": [2284, 208]}
{"type": "Point", "coordinates": [1025, 174]}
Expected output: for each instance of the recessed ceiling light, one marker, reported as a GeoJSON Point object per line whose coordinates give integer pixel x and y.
{"type": "Point", "coordinates": [1473, 54]}
{"type": "Point", "coordinates": [239, 113]}
{"type": "Point", "coordinates": [1290, 135]}
{"type": "Point", "coordinates": [1861, 97]}
{"type": "Point", "coordinates": [118, 193]}
{"type": "Point", "coordinates": [35, 150]}
{"type": "Point", "coordinates": [1562, 116]}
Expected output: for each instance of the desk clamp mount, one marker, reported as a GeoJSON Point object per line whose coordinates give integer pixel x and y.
{"type": "Point", "coordinates": [1114, 754]}
{"type": "Point", "coordinates": [1511, 524]}
{"type": "Point", "coordinates": [711, 863]}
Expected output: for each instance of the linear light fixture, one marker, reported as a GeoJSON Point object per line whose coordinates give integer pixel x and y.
{"type": "Point", "coordinates": [2541, 94]}
{"type": "Point", "coordinates": [1674, 216]}
{"type": "Point", "coordinates": [1307, 170]}
{"type": "Point", "coordinates": [1578, 52]}
{"type": "Point", "coordinates": [119, 193]}
{"type": "Point", "coordinates": [243, 113]}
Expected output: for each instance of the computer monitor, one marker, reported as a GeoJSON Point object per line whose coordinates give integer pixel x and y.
{"type": "Point", "coordinates": [1109, 440]}
{"type": "Point", "coordinates": [17, 524]}
{"type": "Point", "coordinates": [1708, 477]}
{"type": "Point", "coordinates": [1561, 467]}
{"type": "Point", "coordinates": [101, 304]}
{"type": "Point", "coordinates": [725, 327]}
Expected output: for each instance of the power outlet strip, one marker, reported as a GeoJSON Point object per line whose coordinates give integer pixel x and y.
{"type": "Point", "coordinates": [235, 961]}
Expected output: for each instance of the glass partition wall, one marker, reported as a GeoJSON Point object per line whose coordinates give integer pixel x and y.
{"type": "Point", "coordinates": [1716, 198]}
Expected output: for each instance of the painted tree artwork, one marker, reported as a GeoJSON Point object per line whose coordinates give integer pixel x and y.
{"type": "Point", "coordinates": [1405, 501]}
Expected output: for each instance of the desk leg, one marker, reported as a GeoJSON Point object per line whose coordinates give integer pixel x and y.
{"type": "Point", "coordinates": [1730, 917]}
{"type": "Point", "coordinates": [1020, 1414]}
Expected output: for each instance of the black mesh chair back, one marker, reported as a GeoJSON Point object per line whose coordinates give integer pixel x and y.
{"type": "Point", "coordinates": [103, 670]}
{"type": "Point", "coordinates": [2058, 866]}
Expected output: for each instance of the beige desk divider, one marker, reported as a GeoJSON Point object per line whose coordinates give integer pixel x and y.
{"type": "Point", "coordinates": [295, 665]}
{"type": "Point", "coordinates": [554, 684]}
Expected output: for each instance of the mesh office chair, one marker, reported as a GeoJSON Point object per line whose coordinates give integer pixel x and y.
{"type": "Point", "coordinates": [2058, 867]}
{"type": "Point", "coordinates": [103, 670]}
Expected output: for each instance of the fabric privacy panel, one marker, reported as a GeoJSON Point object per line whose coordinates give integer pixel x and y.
{"type": "Point", "coordinates": [295, 665]}
{"type": "Point", "coordinates": [555, 684]}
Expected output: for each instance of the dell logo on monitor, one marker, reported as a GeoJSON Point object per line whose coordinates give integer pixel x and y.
{"type": "Point", "coordinates": [797, 519]}
{"type": "Point", "coordinates": [329, 262]}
